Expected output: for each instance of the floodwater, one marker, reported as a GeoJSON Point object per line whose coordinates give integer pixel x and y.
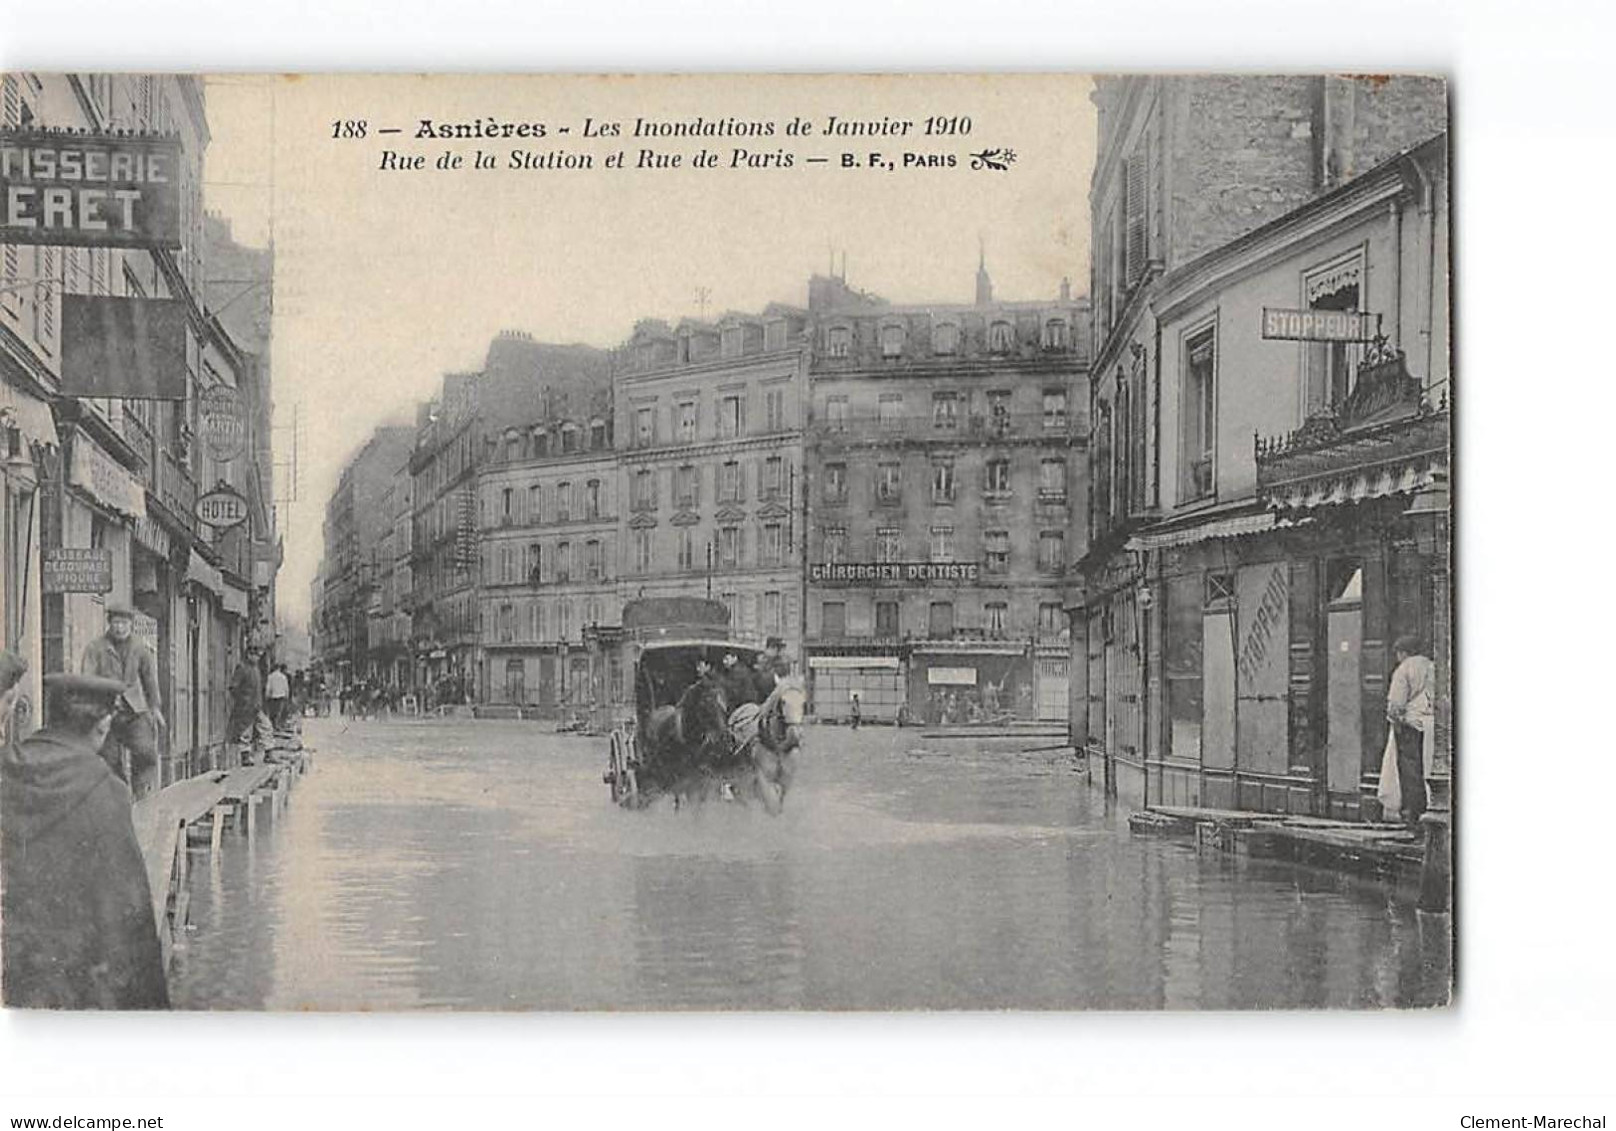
{"type": "Point", "coordinates": [452, 864]}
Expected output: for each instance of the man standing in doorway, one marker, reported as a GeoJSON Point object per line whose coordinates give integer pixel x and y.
{"type": "Point", "coordinates": [245, 695]}
{"type": "Point", "coordinates": [277, 692]}
{"type": "Point", "coordinates": [1411, 708]}
{"type": "Point", "coordinates": [118, 655]}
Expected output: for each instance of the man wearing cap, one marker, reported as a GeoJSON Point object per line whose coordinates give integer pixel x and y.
{"type": "Point", "coordinates": [118, 655]}
{"type": "Point", "coordinates": [78, 923]}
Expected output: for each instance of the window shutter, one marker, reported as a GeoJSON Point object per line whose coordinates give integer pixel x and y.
{"type": "Point", "coordinates": [13, 102]}
{"type": "Point", "coordinates": [1137, 215]}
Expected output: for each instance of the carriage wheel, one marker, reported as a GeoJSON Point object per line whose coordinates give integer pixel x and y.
{"type": "Point", "coordinates": [619, 773]}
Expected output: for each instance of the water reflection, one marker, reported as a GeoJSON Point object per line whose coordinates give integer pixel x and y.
{"type": "Point", "coordinates": [480, 866]}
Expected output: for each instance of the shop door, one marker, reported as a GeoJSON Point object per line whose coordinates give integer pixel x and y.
{"type": "Point", "coordinates": [1054, 686]}
{"type": "Point", "coordinates": [547, 700]}
{"type": "Point", "coordinates": [515, 681]}
{"type": "Point", "coordinates": [1344, 710]}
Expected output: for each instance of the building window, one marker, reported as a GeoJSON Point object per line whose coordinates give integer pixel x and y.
{"type": "Point", "coordinates": [729, 547]}
{"type": "Point", "coordinates": [942, 543]}
{"type": "Point", "coordinates": [644, 490]}
{"type": "Point", "coordinates": [890, 408]}
{"type": "Point", "coordinates": [835, 482]}
{"type": "Point", "coordinates": [535, 563]}
{"type": "Point", "coordinates": [774, 334]}
{"type": "Point", "coordinates": [940, 620]}
{"type": "Point", "coordinates": [1052, 480]}
{"type": "Point", "coordinates": [773, 477]}
{"type": "Point", "coordinates": [1182, 665]}
{"type": "Point", "coordinates": [642, 551]}
{"type": "Point", "coordinates": [942, 481]}
{"type": "Point", "coordinates": [1051, 620]}
{"type": "Point", "coordinates": [538, 620]}
{"type": "Point", "coordinates": [945, 411]}
{"type": "Point", "coordinates": [889, 544]}
{"type": "Point", "coordinates": [999, 411]}
{"type": "Point", "coordinates": [889, 482]}
{"type": "Point", "coordinates": [535, 512]}
{"type": "Point", "coordinates": [1329, 365]}
{"type": "Point", "coordinates": [1001, 337]}
{"type": "Point", "coordinates": [997, 618]}
{"type": "Point", "coordinates": [597, 435]}
{"type": "Point", "coordinates": [731, 417]}
{"type": "Point", "coordinates": [1200, 414]}
{"type": "Point", "coordinates": [730, 341]}
{"type": "Point", "coordinates": [1055, 410]}
{"type": "Point", "coordinates": [1052, 551]}
{"type": "Point", "coordinates": [996, 484]}
{"type": "Point", "coordinates": [836, 413]}
{"type": "Point", "coordinates": [833, 619]}
{"type": "Point", "coordinates": [563, 562]}
{"type": "Point", "coordinates": [773, 620]}
{"type": "Point", "coordinates": [687, 550]}
{"type": "Point", "coordinates": [835, 544]}
{"type": "Point", "coordinates": [996, 551]}
{"type": "Point", "coordinates": [507, 565]}
{"type": "Point", "coordinates": [945, 338]}
{"type": "Point", "coordinates": [774, 409]}
{"type": "Point", "coordinates": [592, 499]}
{"type": "Point", "coordinates": [1055, 336]}
{"type": "Point", "coordinates": [773, 551]}
{"type": "Point", "coordinates": [564, 620]}
{"type": "Point", "coordinates": [571, 439]}
{"type": "Point", "coordinates": [892, 341]}
{"type": "Point", "coordinates": [729, 482]}
{"type": "Point", "coordinates": [594, 562]}
{"type": "Point", "coordinates": [839, 341]}
{"type": "Point", "coordinates": [507, 624]}
{"type": "Point", "coordinates": [886, 619]}
{"type": "Point", "coordinates": [684, 487]}
{"type": "Point", "coordinates": [687, 422]}
{"type": "Point", "coordinates": [645, 427]}
{"type": "Point", "coordinates": [563, 501]}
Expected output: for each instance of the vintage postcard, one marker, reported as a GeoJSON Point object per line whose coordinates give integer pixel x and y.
{"type": "Point", "coordinates": [726, 542]}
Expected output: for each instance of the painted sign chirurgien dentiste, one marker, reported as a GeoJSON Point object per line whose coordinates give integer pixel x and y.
{"type": "Point", "coordinates": [726, 541]}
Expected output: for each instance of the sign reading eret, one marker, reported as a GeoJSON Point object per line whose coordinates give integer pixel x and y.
{"type": "Point", "coordinates": [894, 573]}
{"type": "Point", "coordinates": [90, 190]}
{"type": "Point", "coordinates": [1319, 325]}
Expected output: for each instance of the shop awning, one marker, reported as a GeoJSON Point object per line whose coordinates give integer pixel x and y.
{"type": "Point", "coordinates": [235, 600]}
{"type": "Point", "coordinates": [1233, 526]}
{"type": "Point", "coordinates": [205, 575]}
{"type": "Point", "coordinates": [885, 663]}
{"type": "Point", "coordinates": [1358, 486]}
{"type": "Point", "coordinates": [33, 415]}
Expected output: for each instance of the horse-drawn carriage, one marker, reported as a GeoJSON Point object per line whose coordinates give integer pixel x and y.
{"type": "Point", "coordinates": [694, 736]}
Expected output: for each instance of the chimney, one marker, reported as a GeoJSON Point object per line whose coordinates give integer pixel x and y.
{"type": "Point", "coordinates": [1066, 288]}
{"type": "Point", "coordinates": [984, 285]}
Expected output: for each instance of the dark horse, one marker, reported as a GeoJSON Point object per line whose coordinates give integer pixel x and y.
{"type": "Point", "coordinates": [687, 744]}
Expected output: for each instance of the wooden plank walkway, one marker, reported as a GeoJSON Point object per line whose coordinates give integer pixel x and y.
{"type": "Point", "coordinates": [1386, 849]}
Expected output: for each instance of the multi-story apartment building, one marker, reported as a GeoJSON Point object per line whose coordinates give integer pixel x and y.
{"type": "Point", "coordinates": [115, 479]}
{"type": "Point", "coordinates": [530, 399]}
{"type": "Point", "coordinates": [390, 663]}
{"type": "Point", "coordinates": [709, 426]}
{"type": "Point", "coordinates": [356, 524]}
{"type": "Point", "coordinates": [1252, 236]}
{"type": "Point", "coordinates": [944, 466]}
{"type": "Point", "coordinates": [549, 524]}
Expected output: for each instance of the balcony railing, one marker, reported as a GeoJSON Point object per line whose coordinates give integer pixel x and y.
{"type": "Point", "coordinates": [984, 428]}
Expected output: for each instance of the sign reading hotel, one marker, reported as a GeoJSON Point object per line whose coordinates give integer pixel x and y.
{"type": "Point", "coordinates": [75, 569]}
{"type": "Point", "coordinates": [89, 190]}
{"type": "Point", "coordinates": [894, 573]}
{"type": "Point", "coordinates": [222, 508]}
{"type": "Point", "coordinates": [1319, 325]}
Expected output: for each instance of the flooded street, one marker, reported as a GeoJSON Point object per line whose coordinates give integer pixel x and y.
{"type": "Point", "coordinates": [480, 865]}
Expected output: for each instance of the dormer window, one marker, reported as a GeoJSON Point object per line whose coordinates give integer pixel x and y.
{"type": "Point", "coordinates": [892, 341]}
{"type": "Point", "coordinates": [774, 334]}
{"type": "Point", "coordinates": [945, 338]}
{"type": "Point", "coordinates": [1001, 337]}
{"type": "Point", "coordinates": [1055, 336]}
{"type": "Point", "coordinates": [839, 342]}
{"type": "Point", "coordinates": [730, 341]}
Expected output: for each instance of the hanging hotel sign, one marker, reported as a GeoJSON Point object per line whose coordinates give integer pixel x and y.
{"type": "Point", "coordinates": [90, 190]}
{"type": "Point", "coordinates": [223, 427]}
{"type": "Point", "coordinates": [1319, 325]}
{"type": "Point", "coordinates": [123, 347]}
{"type": "Point", "coordinates": [222, 508]}
{"type": "Point", "coordinates": [894, 573]}
{"type": "Point", "coordinates": [75, 569]}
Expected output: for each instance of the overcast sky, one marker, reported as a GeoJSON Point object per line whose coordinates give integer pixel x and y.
{"type": "Point", "coordinates": [385, 280]}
